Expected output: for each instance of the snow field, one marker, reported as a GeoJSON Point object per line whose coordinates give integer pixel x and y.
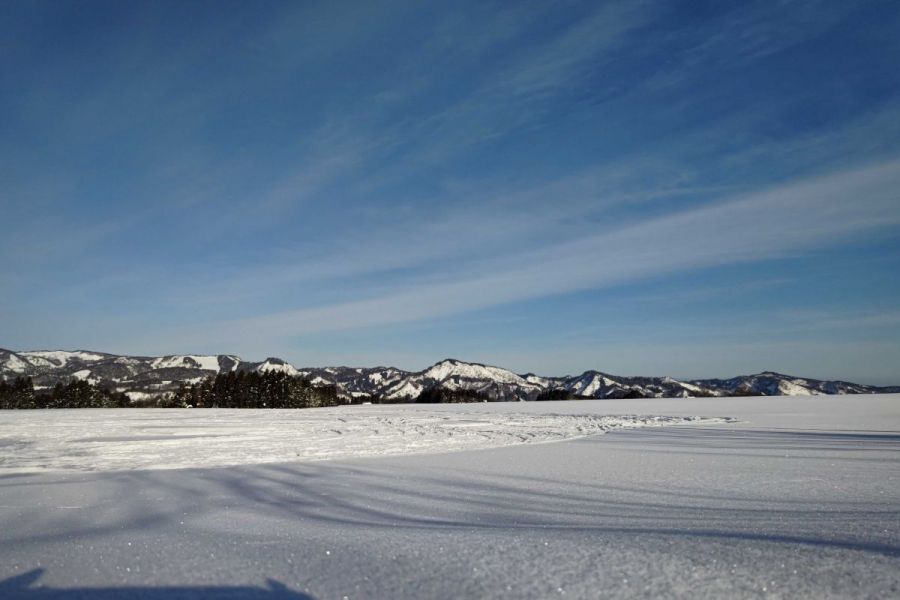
{"type": "Point", "coordinates": [797, 499]}
{"type": "Point", "coordinates": [125, 439]}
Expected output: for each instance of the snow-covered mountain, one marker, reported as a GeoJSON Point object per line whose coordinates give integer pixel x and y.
{"type": "Point", "coordinates": [456, 375]}
{"type": "Point", "coordinates": [769, 383]}
{"type": "Point", "coordinates": [139, 376]}
{"type": "Point", "coordinates": [593, 384]}
{"type": "Point", "coordinates": [143, 376]}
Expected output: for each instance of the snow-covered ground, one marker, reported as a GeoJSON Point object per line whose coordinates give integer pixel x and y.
{"type": "Point", "coordinates": [116, 439]}
{"type": "Point", "coordinates": [800, 497]}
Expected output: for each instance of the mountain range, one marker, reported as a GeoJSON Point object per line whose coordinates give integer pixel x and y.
{"type": "Point", "coordinates": [143, 377]}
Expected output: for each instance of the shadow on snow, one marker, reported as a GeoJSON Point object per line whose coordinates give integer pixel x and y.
{"type": "Point", "coordinates": [22, 587]}
{"type": "Point", "coordinates": [388, 494]}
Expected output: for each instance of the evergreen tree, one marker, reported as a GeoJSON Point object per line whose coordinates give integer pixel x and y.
{"type": "Point", "coordinates": [272, 389]}
{"type": "Point", "coordinates": [441, 395]}
{"type": "Point", "coordinates": [18, 394]}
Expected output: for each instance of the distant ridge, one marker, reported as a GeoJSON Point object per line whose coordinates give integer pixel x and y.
{"type": "Point", "coordinates": [142, 377]}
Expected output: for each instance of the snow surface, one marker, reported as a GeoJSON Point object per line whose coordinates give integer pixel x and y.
{"type": "Point", "coordinates": [16, 364]}
{"type": "Point", "coordinates": [207, 363]}
{"type": "Point", "coordinates": [60, 357]}
{"type": "Point", "coordinates": [798, 499]}
{"type": "Point", "coordinates": [595, 384]}
{"type": "Point", "coordinates": [407, 389]}
{"type": "Point", "coordinates": [280, 367]}
{"type": "Point", "coordinates": [687, 386]}
{"type": "Point", "coordinates": [134, 396]}
{"type": "Point", "coordinates": [794, 388]}
{"type": "Point", "coordinates": [103, 440]}
{"type": "Point", "coordinates": [537, 380]}
{"type": "Point", "coordinates": [453, 368]}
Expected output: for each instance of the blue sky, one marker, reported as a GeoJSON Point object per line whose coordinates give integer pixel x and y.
{"type": "Point", "coordinates": [693, 189]}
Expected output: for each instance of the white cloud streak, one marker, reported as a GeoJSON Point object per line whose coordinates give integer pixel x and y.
{"type": "Point", "coordinates": [776, 223]}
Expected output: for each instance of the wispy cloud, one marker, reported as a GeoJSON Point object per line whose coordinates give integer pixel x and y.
{"type": "Point", "coordinates": [772, 224]}
{"type": "Point", "coordinates": [236, 179]}
{"type": "Point", "coordinates": [518, 93]}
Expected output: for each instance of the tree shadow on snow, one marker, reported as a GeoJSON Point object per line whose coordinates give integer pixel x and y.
{"type": "Point", "coordinates": [23, 587]}
{"type": "Point", "coordinates": [431, 496]}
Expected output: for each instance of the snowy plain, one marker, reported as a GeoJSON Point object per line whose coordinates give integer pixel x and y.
{"type": "Point", "coordinates": [122, 439]}
{"type": "Point", "coordinates": [771, 497]}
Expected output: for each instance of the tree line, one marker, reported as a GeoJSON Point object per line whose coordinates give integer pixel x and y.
{"type": "Point", "coordinates": [230, 390]}
{"type": "Point", "coordinates": [243, 389]}
{"type": "Point", "coordinates": [440, 395]}
{"type": "Point", "coordinates": [20, 393]}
